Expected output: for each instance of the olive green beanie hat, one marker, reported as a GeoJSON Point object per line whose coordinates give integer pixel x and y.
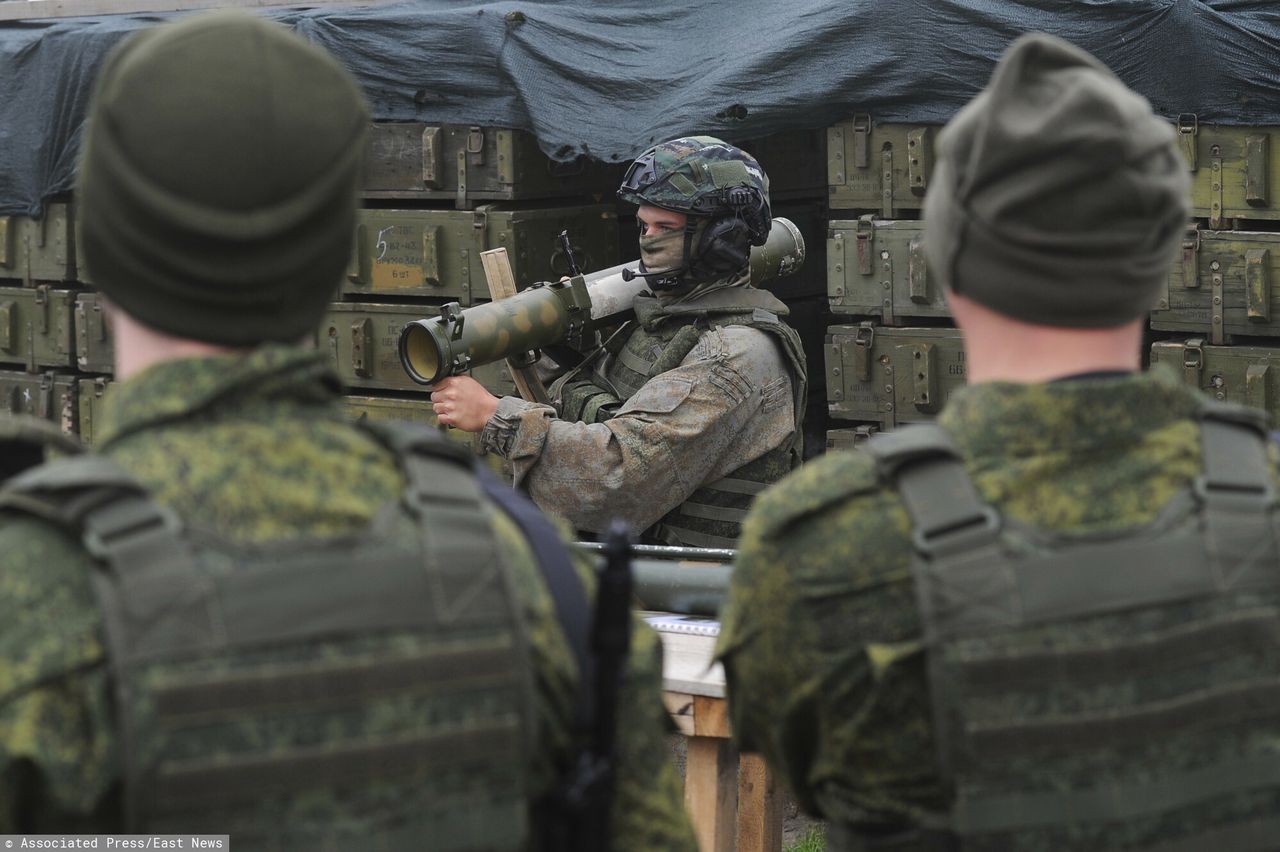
{"type": "Point", "coordinates": [218, 179]}
{"type": "Point", "coordinates": [1058, 197]}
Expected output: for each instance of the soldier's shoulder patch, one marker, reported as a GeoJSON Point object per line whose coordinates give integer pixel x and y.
{"type": "Point", "coordinates": [817, 485]}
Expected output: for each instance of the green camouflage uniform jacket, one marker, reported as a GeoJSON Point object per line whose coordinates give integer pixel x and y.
{"type": "Point", "coordinates": [256, 448]}
{"type": "Point", "coordinates": [728, 402]}
{"type": "Point", "coordinates": [821, 639]}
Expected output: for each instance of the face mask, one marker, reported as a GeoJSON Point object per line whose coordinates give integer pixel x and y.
{"type": "Point", "coordinates": [662, 252]}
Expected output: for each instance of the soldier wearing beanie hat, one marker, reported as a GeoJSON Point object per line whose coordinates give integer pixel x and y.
{"type": "Point", "coordinates": [1005, 631]}
{"type": "Point", "coordinates": [243, 613]}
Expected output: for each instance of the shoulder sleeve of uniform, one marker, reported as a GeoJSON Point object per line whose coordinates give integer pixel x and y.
{"type": "Point", "coordinates": [49, 620]}
{"type": "Point", "coordinates": [813, 487]}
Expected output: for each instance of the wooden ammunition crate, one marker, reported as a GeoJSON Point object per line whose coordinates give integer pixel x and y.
{"type": "Point", "coordinates": [415, 410]}
{"type": "Point", "coordinates": [92, 393]}
{"type": "Point", "coordinates": [36, 327]}
{"type": "Point", "coordinates": [1248, 375]}
{"type": "Point", "coordinates": [466, 164]}
{"type": "Point", "coordinates": [436, 253]}
{"type": "Point", "coordinates": [1223, 283]}
{"type": "Point", "coordinates": [879, 167]}
{"type": "Point", "coordinates": [877, 269]}
{"type": "Point", "coordinates": [95, 352]}
{"type": "Point", "coordinates": [891, 375]}
{"type": "Point", "coordinates": [49, 395]}
{"type": "Point", "coordinates": [363, 341]}
{"type": "Point", "coordinates": [1235, 171]}
{"type": "Point", "coordinates": [39, 250]}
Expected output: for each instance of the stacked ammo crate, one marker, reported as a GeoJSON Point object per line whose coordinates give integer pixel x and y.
{"type": "Point", "coordinates": [435, 197]}
{"type": "Point", "coordinates": [894, 356]}
{"type": "Point", "coordinates": [896, 359]}
{"type": "Point", "coordinates": [1219, 317]}
{"type": "Point", "coordinates": [55, 350]}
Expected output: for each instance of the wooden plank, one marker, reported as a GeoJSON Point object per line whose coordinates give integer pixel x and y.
{"type": "Point", "coordinates": [711, 792]}
{"type": "Point", "coordinates": [502, 285]}
{"type": "Point", "coordinates": [680, 708]}
{"type": "Point", "coordinates": [24, 10]}
{"type": "Point", "coordinates": [710, 717]}
{"type": "Point", "coordinates": [759, 806]}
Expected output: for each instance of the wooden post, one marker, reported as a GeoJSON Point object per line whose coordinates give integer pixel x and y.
{"type": "Point", "coordinates": [502, 285]}
{"type": "Point", "coordinates": [710, 792]}
{"type": "Point", "coordinates": [759, 807]}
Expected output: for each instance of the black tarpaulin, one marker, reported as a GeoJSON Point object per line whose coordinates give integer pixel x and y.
{"type": "Point", "coordinates": [608, 79]}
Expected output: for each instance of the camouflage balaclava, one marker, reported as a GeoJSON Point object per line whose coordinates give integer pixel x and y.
{"type": "Point", "coordinates": [218, 179]}
{"type": "Point", "coordinates": [725, 194]}
{"type": "Point", "coordinates": [1058, 198]}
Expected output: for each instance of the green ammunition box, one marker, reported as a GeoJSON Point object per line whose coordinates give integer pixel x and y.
{"type": "Point", "coordinates": [879, 167]}
{"type": "Point", "coordinates": [38, 250]}
{"type": "Point", "coordinates": [49, 395]}
{"type": "Point", "coordinates": [436, 253]}
{"type": "Point", "coordinates": [417, 410]}
{"type": "Point", "coordinates": [1235, 171]}
{"type": "Point", "coordinates": [91, 393]}
{"type": "Point", "coordinates": [877, 269]}
{"type": "Point", "coordinates": [36, 327]}
{"type": "Point", "coordinates": [363, 343]}
{"type": "Point", "coordinates": [95, 352]}
{"type": "Point", "coordinates": [850, 438]}
{"type": "Point", "coordinates": [1223, 283]}
{"type": "Point", "coordinates": [891, 375]}
{"type": "Point", "coordinates": [1247, 375]}
{"type": "Point", "coordinates": [468, 164]}
{"type": "Point", "coordinates": [793, 160]}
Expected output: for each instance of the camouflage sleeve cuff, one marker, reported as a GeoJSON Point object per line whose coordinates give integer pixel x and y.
{"type": "Point", "coordinates": [499, 435]}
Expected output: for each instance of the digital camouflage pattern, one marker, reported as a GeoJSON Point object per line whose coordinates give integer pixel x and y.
{"type": "Point", "coordinates": [821, 638]}
{"type": "Point", "coordinates": [729, 401]}
{"type": "Point", "coordinates": [691, 175]}
{"type": "Point", "coordinates": [256, 449]}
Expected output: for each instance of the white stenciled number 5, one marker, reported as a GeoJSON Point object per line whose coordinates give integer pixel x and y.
{"type": "Point", "coordinates": [382, 244]}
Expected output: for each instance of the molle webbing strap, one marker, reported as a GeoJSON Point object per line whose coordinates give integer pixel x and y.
{"type": "Point", "coordinates": [1219, 707]}
{"type": "Point", "coordinates": [341, 683]}
{"type": "Point", "coordinates": [679, 536]}
{"type": "Point", "coordinates": [192, 784]}
{"type": "Point", "coordinates": [634, 362]}
{"type": "Point", "coordinates": [733, 485]}
{"type": "Point", "coordinates": [1112, 802]}
{"type": "Point", "coordinates": [1184, 645]}
{"type": "Point", "coordinates": [707, 512]}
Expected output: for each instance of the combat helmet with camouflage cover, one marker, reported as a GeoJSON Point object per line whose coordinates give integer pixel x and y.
{"type": "Point", "coordinates": [723, 191]}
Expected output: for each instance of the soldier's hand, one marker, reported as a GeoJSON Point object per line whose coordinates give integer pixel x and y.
{"type": "Point", "coordinates": [463, 402]}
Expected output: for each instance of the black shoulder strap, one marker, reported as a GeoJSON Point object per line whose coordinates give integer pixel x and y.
{"type": "Point", "coordinates": [567, 592]}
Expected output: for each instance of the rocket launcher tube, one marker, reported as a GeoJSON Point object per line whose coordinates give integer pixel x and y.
{"type": "Point", "coordinates": [435, 348]}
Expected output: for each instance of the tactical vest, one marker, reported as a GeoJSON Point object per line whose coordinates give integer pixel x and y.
{"type": "Point", "coordinates": [1099, 691]}
{"type": "Point", "coordinates": [712, 516]}
{"type": "Point", "coordinates": [372, 691]}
